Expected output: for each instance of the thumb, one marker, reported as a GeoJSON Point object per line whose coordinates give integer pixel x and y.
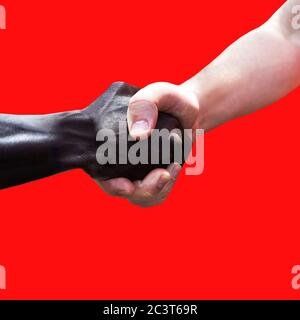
{"type": "Point", "coordinates": [142, 113]}
{"type": "Point", "coordinates": [143, 107]}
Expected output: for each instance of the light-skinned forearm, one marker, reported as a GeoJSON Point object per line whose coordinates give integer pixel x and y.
{"type": "Point", "coordinates": [255, 71]}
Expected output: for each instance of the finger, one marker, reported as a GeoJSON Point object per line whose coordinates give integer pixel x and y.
{"type": "Point", "coordinates": [147, 191]}
{"type": "Point", "coordinates": [174, 169]}
{"type": "Point", "coordinates": [143, 110]}
{"type": "Point", "coordinates": [166, 97]}
{"type": "Point", "coordinates": [142, 117]}
{"type": "Point", "coordinates": [120, 187]}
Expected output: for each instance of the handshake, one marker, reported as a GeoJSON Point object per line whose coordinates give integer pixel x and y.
{"type": "Point", "coordinates": [158, 106]}
{"type": "Point", "coordinates": [139, 166]}
{"type": "Point", "coordinates": [255, 71]}
{"type": "Point", "coordinates": [149, 108]}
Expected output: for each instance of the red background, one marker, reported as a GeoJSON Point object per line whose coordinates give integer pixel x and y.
{"type": "Point", "coordinates": [232, 232]}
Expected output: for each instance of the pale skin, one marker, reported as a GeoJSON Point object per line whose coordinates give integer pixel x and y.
{"type": "Point", "coordinates": [258, 69]}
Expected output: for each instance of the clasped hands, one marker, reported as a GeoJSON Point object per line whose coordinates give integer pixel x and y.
{"type": "Point", "coordinates": [177, 100]}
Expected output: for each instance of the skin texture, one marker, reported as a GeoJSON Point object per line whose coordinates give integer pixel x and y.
{"type": "Point", "coordinates": [37, 146]}
{"type": "Point", "coordinates": [255, 71]}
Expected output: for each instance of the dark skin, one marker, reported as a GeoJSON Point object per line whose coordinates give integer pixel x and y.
{"type": "Point", "coordinates": [37, 146]}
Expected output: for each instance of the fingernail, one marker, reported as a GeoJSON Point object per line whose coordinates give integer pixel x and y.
{"type": "Point", "coordinates": [162, 181]}
{"type": "Point", "coordinates": [139, 127]}
{"type": "Point", "coordinates": [175, 170]}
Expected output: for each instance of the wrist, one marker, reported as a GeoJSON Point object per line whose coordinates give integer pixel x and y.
{"type": "Point", "coordinates": [195, 87]}
{"type": "Point", "coordinates": [75, 136]}
{"type": "Point", "coordinates": [216, 96]}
